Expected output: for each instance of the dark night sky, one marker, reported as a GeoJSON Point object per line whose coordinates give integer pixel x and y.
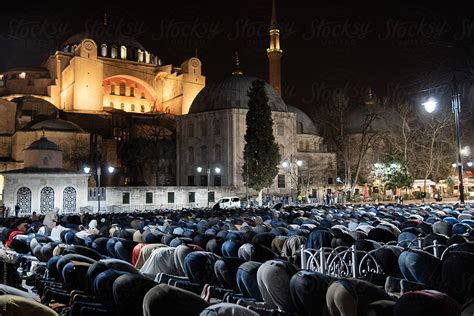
{"type": "Point", "coordinates": [326, 46]}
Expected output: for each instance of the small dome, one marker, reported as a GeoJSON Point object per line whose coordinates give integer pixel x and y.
{"type": "Point", "coordinates": [108, 37]}
{"type": "Point", "coordinates": [232, 93]}
{"type": "Point", "coordinates": [43, 144]}
{"type": "Point", "coordinates": [305, 124]}
{"type": "Point", "coordinates": [56, 125]}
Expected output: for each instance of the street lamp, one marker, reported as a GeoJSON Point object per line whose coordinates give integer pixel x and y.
{"type": "Point", "coordinates": [87, 169]}
{"type": "Point", "coordinates": [291, 164]}
{"type": "Point", "coordinates": [217, 170]}
{"type": "Point", "coordinates": [430, 106]}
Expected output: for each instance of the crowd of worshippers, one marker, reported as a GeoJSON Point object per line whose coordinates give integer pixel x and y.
{"type": "Point", "coordinates": [238, 262]}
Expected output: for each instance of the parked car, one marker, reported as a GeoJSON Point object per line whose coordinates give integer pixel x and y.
{"type": "Point", "coordinates": [229, 202]}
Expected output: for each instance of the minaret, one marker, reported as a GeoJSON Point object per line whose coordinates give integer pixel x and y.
{"type": "Point", "coordinates": [237, 69]}
{"type": "Point", "coordinates": [274, 54]}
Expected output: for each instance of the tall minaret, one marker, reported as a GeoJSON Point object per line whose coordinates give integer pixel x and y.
{"type": "Point", "coordinates": [274, 54]}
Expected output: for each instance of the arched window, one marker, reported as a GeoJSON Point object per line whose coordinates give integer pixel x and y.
{"type": "Point", "coordinates": [140, 55]}
{"type": "Point", "coordinates": [191, 154]}
{"type": "Point", "coordinates": [316, 146]}
{"type": "Point", "coordinates": [142, 95]}
{"type": "Point", "coordinates": [113, 52]}
{"type": "Point", "coordinates": [280, 129]}
{"type": "Point", "coordinates": [132, 91]}
{"type": "Point", "coordinates": [69, 199]}
{"type": "Point", "coordinates": [122, 106]}
{"type": "Point", "coordinates": [191, 130]}
{"type": "Point", "coordinates": [122, 88]}
{"type": "Point", "coordinates": [112, 89]}
{"type": "Point", "coordinates": [301, 145]}
{"type": "Point", "coordinates": [217, 153]}
{"type": "Point", "coordinates": [204, 154]}
{"type": "Point", "coordinates": [307, 145]}
{"type": "Point", "coordinates": [103, 50]}
{"type": "Point", "coordinates": [111, 104]}
{"type": "Point", "coordinates": [123, 52]}
{"type": "Point", "coordinates": [300, 128]}
{"type": "Point", "coordinates": [142, 108]}
{"type": "Point", "coordinates": [147, 57]}
{"type": "Point", "coordinates": [133, 108]}
{"type": "Point", "coordinates": [46, 199]}
{"type": "Point", "coordinates": [23, 199]}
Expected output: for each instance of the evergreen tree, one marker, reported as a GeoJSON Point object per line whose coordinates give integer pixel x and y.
{"type": "Point", "coordinates": [261, 153]}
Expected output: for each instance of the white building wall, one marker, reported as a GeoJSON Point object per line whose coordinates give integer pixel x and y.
{"type": "Point", "coordinates": [35, 182]}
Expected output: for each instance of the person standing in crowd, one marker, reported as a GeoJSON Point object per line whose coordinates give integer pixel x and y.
{"type": "Point", "coordinates": [17, 210]}
{"type": "Point", "coordinates": [3, 210]}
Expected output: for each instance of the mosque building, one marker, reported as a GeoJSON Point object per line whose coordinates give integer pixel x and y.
{"type": "Point", "coordinates": [96, 95]}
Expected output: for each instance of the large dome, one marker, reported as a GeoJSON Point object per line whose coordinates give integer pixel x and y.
{"type": "Point", "coordinates": [231, 93]}
{"type": "Point", "coordinates": [56, 125]}
{"type": "Point", "coordinates": [305, 123]}
{"type": "Point", "coordinates": [104, 37]}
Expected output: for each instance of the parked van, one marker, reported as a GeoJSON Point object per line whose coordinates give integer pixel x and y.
{"type": "Point", "coordinates": [229, 202]}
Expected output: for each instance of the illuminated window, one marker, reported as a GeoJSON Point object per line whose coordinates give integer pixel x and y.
{"type": "Point", "coordinates": [111, 104]}
{"type": "Point", "coordinates": [112, 89]}
{"type": "Point", "coordinates": [122, 88]}
{"type": "Point", "coordinates": [132, 91]}
{"type": "Point", "coordinates": [142, 107]}
{"type": "Point", "coordinates": [140, 55]}
{"type": "Point", "coordinates": [123, 52]}
{"type": "Point", "coordinates": [147, 57]}
{"type": "Point", "coordinates": [142, 95]}
{"type": "Point", "coordinates": [22, 75]}
{"type": "Point", "coordinates": [113, 52]}
{"type": "Point", "coordinates": [103, 50]}
{"type": "Point", "coordinates": [133, 107]}
{"type": "Point", "coordinates": [122, 107]}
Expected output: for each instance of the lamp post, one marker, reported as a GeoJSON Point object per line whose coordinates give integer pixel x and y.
{"type": "Point", "coordinates": [430, 107]}
{"type": "Point", "coordinates": [217, 170]}
{"type": "Point", "coordinates": [291, 164]}
{"type": "Point", "coordinates": [110, 170]}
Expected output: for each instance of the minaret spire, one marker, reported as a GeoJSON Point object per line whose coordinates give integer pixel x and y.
{"type": "Point", "coordinates": [273, 22]}
{"type": "Point", "coordinates": [237, 69]}
{"type": "Point", "coordinates": [105, 18]}
{"type": "Point", "coordinates": [274, 53]}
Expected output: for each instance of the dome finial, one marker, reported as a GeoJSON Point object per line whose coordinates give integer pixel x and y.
{"type": "Point", "coordinates": [237, 70]}
{"type": "Point", "coordinates": [105, 18]}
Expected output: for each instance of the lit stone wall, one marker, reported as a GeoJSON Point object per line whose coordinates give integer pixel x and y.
{"type": "Point", "coordinates": [229, 135]}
